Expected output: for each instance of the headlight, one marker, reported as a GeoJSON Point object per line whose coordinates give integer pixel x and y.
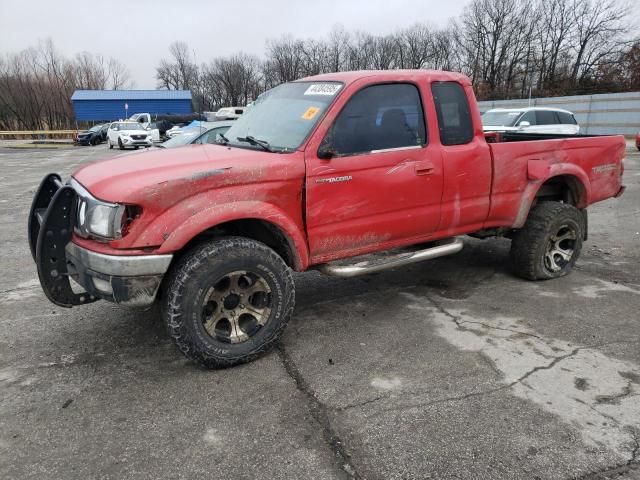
{"type": "Point", "coordinates": [98, 219]}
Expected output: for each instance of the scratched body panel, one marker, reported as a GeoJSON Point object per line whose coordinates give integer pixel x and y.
{"type": "Point", "coordinates": [340, 207]}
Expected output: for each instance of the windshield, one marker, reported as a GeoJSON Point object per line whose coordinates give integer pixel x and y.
{"type": "Point", "coordinates": [500, 119]}
{"type": "Point", "coordinates": [96, 128]}
{"type": "Point", "coordinates": [187, 136]}
{"type": "Point", "coordinates": [284, 116]}
{"type": "Point", "coordinates": [131, 126]}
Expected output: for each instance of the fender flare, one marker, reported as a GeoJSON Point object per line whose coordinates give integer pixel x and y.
{"type": "Point", "coordinates": [555, 170]}
{"type": "Point", "coordinates": [242, 210]}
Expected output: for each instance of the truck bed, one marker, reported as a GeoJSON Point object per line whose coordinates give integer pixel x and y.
{"type": "Point", "coordinates": [522, 162]}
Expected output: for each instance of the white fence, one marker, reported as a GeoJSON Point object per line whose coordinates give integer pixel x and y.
{"type": "Point", "coordinates": [609, 113]}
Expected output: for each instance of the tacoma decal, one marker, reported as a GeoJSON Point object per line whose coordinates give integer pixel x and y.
{"type": "Point", "coordinates": [346, 178]}
{"type": "Point", "coordinates": [607, 167]}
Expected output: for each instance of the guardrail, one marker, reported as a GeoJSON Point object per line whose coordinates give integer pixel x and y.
{"type": "Point", "coordinates": [39, 134]}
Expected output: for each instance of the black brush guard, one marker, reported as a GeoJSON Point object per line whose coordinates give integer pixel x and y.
{"type": "Point", "coordinates": [50, 228]}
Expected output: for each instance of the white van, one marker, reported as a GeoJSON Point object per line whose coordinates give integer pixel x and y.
{"type": "Point", "coordinates": [530, 120]}
{"type": "Point", "coordinates": [226, 113]}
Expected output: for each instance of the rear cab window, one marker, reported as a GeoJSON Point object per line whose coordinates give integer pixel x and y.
{"type": "Point", "coordinates": [454, 115]}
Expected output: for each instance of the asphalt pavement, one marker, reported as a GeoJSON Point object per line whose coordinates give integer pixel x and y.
{"type": "Point", "coordinates": [452, 368]}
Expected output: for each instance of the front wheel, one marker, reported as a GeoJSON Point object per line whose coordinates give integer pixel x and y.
{"type": "Point", "coordinates": [549, 243]}
{"type": "Point", "coordinates": [120, 144]}
{"type": "Point", "coordinates": [110, 144]}
{"type": "Point", "coordinates": [228, 301]}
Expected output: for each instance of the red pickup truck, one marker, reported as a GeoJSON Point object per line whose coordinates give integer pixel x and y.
{"type": "Point", "coordinates": [348, 173]}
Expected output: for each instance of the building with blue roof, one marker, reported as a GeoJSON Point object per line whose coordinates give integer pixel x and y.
{"type": "Point", "coordinates": [108, 105]}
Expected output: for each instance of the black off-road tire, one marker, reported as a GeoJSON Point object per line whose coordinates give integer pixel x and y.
{"type": "Point", "coordinates": [193, 277]}
{"type": "Point", "coordinates": [531, 244]}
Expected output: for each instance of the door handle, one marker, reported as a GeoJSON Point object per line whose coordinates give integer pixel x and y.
{"type": "Point", "coordinates": [424, 168]}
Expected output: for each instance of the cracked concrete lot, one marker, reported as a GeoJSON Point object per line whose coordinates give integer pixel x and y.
{"type": "Point", "coordinates": [448, 369]}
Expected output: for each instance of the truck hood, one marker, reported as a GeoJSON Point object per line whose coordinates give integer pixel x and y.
{"type": "Point", "coordinates": [179, 172]}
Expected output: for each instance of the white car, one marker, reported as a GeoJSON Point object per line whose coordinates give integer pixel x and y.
{"type": "Point", "coordinates": [530, 120]}
{"type": "Point", "coordinates": [128, 134]}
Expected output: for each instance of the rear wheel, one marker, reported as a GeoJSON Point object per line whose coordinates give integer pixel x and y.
{"type": "Point", "coordinates": [549, 243]}
{"type": "Point", "coordinates": [228, 301]}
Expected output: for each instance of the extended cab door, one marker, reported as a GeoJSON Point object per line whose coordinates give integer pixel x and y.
{"type": "Point", "coordinates": [373, 180]}
{"type": "Point", "coordinates": [466, 159]}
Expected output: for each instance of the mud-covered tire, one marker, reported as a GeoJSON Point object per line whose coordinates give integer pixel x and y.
{"type": "Point", "coordinates": [537, 249]}
{"type": "Point", "coordinates": [193, 278]}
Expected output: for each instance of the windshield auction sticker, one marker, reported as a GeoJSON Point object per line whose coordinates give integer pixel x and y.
{"type": "Point", "coordinates": [323, 89]}
{"type": "Point", "coordinates": [310, 113]}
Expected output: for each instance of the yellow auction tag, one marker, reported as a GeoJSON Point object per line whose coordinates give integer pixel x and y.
{"type": "Point", "coordinates": [310, 113]}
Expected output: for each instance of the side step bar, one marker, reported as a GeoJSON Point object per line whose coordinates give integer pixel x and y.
{"type": "Point", "coordinates": [453, 245]}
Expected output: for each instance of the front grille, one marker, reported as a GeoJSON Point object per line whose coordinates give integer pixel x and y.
{"type": "Point", "coordinates": [138, 137]}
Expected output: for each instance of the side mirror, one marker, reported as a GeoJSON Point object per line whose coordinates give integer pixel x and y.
{"type": "Point", "coordinates": [524, 124]}
{"type": "Point", "coordinates": [326, 152]}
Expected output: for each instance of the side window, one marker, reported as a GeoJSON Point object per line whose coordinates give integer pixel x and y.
{"type": "Point", "coordinates": [529, 116]}
{"type": "Point", "coordinates": [213, 134]}
{"type": "Point", "coordinates": [454, 116]}
{"type": "Point", "coordinates": [377, 118]}
{"type": "Point", "coordinates": [208, 137]}
{"type": "Point", "coordinates": [546, 117]}
{"type": "Point", "coordinates": [566, 118]}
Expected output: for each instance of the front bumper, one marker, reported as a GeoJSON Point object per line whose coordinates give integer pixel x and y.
{"type": "Point", "coordinates": [128, 280]}
{"type": "Point", "coordinates": [132, 142]}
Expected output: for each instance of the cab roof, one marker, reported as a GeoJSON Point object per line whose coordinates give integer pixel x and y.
{"type": "Point", "coordinates": [389, 76]}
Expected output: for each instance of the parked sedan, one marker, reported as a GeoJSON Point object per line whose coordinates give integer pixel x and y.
{"type": "Point", "coordinates": [196, 135]}
{"type": "Point", "coordinates": [128, 134]}
{"type": "Point", "coordinates": [530, 120]}
{"type": "Point", "coordinates": [93, 136]}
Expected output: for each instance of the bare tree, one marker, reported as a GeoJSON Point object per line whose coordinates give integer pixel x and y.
{"type": "Point", "coordinates": [36, 85]}
{"type": "Point", "coordinates": [179, 73]}
{"type": "Point", "coordinates": [599, 35]}
{"type": "Point", "coordinates": [233, 80]}
{"type": "Point", "coordinates": [119, 76]}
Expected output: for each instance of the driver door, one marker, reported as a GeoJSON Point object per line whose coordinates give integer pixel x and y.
{"type": "Point", "coordinates": [373, 181]}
